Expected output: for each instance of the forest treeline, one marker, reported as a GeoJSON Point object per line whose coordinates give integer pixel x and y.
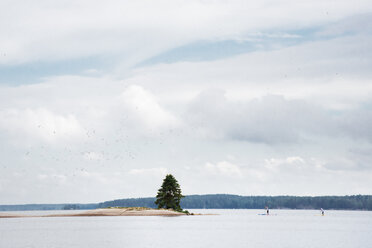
{"type": "Point", "coordinates": [30, 207]}
{"type": "Point", "coordinates": [354, 202]}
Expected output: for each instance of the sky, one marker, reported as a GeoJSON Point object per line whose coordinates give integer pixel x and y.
{"type": "Point", "coordinates": [99, 100]}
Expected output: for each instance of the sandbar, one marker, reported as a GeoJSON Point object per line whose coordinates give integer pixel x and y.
{"type": "Point", "coordinates": [104, 212]}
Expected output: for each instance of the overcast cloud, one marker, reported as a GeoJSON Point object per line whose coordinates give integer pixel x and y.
{"type": "Point", "coordinates": [99, 100]}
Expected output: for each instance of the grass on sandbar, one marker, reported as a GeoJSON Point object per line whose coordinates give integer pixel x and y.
{"type": "Point", "coordinates": [145, 208]}
{"type": "Point", "coordinates": [131, 208]}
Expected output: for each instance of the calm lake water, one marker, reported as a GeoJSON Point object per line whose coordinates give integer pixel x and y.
{"type": "Point", "coordinates": [231, 228]}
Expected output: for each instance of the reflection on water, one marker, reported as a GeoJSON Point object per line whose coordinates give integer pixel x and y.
{"type": "Point", "coordinates": [231, 228]}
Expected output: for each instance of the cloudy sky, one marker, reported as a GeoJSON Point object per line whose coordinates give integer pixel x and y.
{"type": "Point", "coordinates": [99, 100]}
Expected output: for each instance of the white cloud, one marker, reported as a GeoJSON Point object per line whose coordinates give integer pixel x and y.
{"type": "Point", "coordinates": [94, 28]}
{"type": "Point", "coordinates": [95, 156]}
{"type": "Point", "coordinates": [275, 163]}
{"type": "Point", "coordinates": [149, 171]}
{"type": "Point", "coordinates": [40, 124]}
{"type": "Point", "coordinates": [144, 106]}
{"type": "Point", "coordinates": [334, 72]}
{"type": "Point", "coordinates": [59, 179]}
{"type": "Point", "coordinates": [271, 119]}
{"type": "Point", "coordinates": [224, 168]}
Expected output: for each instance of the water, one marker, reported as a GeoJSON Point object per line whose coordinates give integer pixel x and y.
{"type": "Point", "coordinates": [231, 228]}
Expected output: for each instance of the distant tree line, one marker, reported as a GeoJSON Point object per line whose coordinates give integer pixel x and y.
{"type": "Point", "coordinates": [131, 202]}
{"type": "Point", "coordinates": [354, 202]}
{"type": "Point", "coordinates": [30, 207]}
{"type": "Point", "coordinates": [71, 207]}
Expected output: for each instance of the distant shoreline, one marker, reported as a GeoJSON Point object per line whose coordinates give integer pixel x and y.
{"type": "Point", "coordinates": [220, 201]}
{"type": "Point", "coordinates": [105, 212]}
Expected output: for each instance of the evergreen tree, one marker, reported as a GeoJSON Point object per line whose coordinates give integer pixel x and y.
{"type": "Point", "coordinates": [169, 195]}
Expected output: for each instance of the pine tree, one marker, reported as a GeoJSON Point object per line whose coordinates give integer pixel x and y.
{"type": "Point", "coordinates": [169, 195]}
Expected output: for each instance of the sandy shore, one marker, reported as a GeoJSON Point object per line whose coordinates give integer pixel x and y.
{"type": "Point", "coordinates": [104, 212]}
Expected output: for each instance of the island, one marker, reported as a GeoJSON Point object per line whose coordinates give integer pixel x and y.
{"type": "Point", "coordinates": [168, 201]}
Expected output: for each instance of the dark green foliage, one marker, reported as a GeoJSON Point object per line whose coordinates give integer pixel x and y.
{"type": "Point", "coordinates": [131, 202]}
{"type": "Point", "coordinates": [71, 207]}
{"type": "Point", "coordinates": [27, 207]}
{"type": "Point", "coordinates": [169, 195]}
{"type": "Point", "coordinates": [354, 202]}
{"type": "Point", "coordinates": [359, 202]}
